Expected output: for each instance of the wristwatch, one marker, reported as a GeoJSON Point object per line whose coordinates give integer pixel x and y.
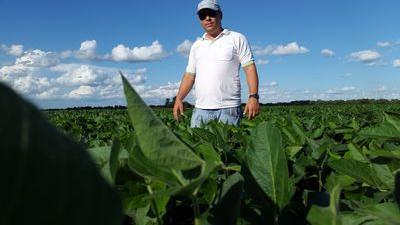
{"type": "Point", "coordinates": [256, 96]}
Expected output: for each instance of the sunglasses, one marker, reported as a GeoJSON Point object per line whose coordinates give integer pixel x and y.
{"type": "Point", "coordinates": [206, 12]}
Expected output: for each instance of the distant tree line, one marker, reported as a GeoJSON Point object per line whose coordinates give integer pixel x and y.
{"type": "Point", "coordinates": [169, 103]}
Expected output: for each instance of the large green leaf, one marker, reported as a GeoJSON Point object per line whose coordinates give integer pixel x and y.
{"type": "Point", "coordinates": [388, 129]}
{"type": "Point", "coordinates": [267, 163]}
{"type": "Point", "coordinates": [157, 142]}
{"type": "Point", "coordinates": [361, 171]}
{"type": "Point", "coordinates": [380, 214]}
{"type": "Point", "coordinates": [146, 168]}
{"type": "Point", "coordinates": [47, 177]}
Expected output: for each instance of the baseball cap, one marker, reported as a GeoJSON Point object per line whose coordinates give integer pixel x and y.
{"type": "Point", "coordinates": [208, 4]}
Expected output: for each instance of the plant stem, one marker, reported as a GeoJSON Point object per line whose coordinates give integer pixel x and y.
{"type": "Point", "coordinates": [196, 210]}
{"type": "Point", "coordinates": [153, 202]}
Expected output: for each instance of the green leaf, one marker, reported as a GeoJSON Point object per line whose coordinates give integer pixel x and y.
{"type": "Point", "coordinates": [114, 158]}
{"type": "Point", "coordinates": [380, 214]}
{"type": "Point", "coordinates": [292, 151]}
{"type": "Point", "coordinates": [228, 205]}
{"type": "Point", "coordinates": [157, 142]}
{"type": "Point", "coordinates": [49, 179]}
{"type": "Point", "coordinates": [146, 168]}
{"type": "Point", "coordinates": [354, 153]}
{"type": "Point", "coordinates": [388, 129]}
{"type": "Point", "coordinates": [384, 176]}
{"type": "Point", "coordinates": [318, 132]}
{"type": "Point", "coordinates": [327, 215]}
{"type": "Point", "coordinates": [140, 216]}
{"type": "Point", "coordinates": [267, 163]}
{"type": "Point", "coordinates": [360, 171]}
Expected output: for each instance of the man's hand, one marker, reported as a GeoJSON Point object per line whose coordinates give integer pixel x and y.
{"type": "Point", "coordinates": [178, 109]}
{"type": "Point", "coordinates": [252, 108]}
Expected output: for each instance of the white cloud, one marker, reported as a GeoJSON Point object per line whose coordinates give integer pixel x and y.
{"type": "Point", "coordinates": [396, 63]}
{"type": "Point", "coordinates": [383, 44]}
{"type": "Point", "coordinates": [162, 92]}
{"type": "Point", "coordinates": [348, 89]}
{"type": "Point", "coordinates": [8, 73]}
{"type": "Point", "coordinates": [289, 49]}
{"type": "Point", "coordinates": [38, 58]}
{"type": "Point", "coordinates": [13, 50]}
{"type": "Point", "coordinates": [144, 53]}
{"type": "Point", "coordinates": [82, 75]}
{"type": "Point", "coordinates": [281, 50]}
{"type": "Point", "coordinates": [25, 80]}
{"type": "Point", "coordinates": [257, 50]}
{"type": "Point", "coordinates": [262, 62]}
{"type": "Point", "coordinates": [184, 48]}
{"type": "Point", "coordinates": [31, 84]}
{"type": "Point", "coordinates": [327, 52]}
{"type": "Point", "coordinates": [368, 56]}
{"type": "Point", "coordinates": [82, 92]}
{"type": "Point", "coordinates": [87, 50]}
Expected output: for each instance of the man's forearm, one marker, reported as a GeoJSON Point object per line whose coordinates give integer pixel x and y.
{"type": "Point", "coordinates": [185, 87]}
{"type": "Point", "coordinates": [252, 78]}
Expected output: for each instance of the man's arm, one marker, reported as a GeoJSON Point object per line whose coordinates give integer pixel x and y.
{"type": "Point", "coordinates": [184, 89]}
{"type": "Point", "coordinates": [252, 107]}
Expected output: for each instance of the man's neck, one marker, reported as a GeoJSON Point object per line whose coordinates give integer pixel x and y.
{"type": "Point", "coordinates": [213, 35]}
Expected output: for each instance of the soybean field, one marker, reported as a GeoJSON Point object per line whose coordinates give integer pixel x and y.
{"type": "Point", "coordinates": [313, 164]}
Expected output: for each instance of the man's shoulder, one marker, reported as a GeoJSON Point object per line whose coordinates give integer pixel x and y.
{"type": "Point", "coordinates": [197, 42]}
{"type": "Point", "coordinates": [238, 35]}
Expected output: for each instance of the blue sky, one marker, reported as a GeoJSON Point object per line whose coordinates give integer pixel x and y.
{"type": "Point", "coordinates": [67, 53]}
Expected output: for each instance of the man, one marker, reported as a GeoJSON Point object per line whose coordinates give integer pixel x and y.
{"type": "Point", "coordinates": [213, 67]}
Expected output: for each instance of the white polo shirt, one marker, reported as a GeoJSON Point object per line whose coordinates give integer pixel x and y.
{"type": "Point", "coordinates": [215, 65]}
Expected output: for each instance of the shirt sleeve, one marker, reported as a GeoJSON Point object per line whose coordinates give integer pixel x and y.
{"type": "Point", "coordinates": [244, 51]}
{"type": "Point", "coordinates": [191, 66]}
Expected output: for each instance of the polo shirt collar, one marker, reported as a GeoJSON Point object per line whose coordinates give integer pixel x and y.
{"type": "Point", "coordinates": [224, 32]}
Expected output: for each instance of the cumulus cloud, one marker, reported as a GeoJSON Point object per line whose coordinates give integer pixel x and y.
{"type": "Point", "coordinates": [82, 92]}
{"type": "Point", "coordinates": [13, 50]}
{"type": "Point", "coordinates": [258, 50]}
{"type": "Point", "coordinates": [162, 92]}
{"type": "Point", "coordinates": [38, 58]}
{"type": "Point", "coordinates": [396, 63]}
{"type": "Point", "coordinates": [83, 74]}
{"type": "Point", "coordinates": [262, 62]}
{"type": "Point", "coordinates": [367, 56]}
{"type": "Point", "coordinates": [120, 53]}
{"type": "Point", "coordinates": [290, 49]}
{"type": "Point", "coordinates": [383, 44]}
{"type": "Point", "coordinates": [87, 50]}
{"type": "Point", "coordinates": [145, 53]}
{"type": "Point", "coordinates": [327, 52]}
{"type": "Point", "coordinates": [184, 48]}
{"type": "Point", "coordinates": [281, 50]}
{"type": "Point", "coordinates": [24, 79]}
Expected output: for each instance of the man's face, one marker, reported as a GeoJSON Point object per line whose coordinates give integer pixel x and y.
{"type": "Point", "coordinates": [210, 20]}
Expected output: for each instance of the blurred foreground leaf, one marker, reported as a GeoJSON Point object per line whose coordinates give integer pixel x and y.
{"type": "Point", "coordinates": [47, 178]}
